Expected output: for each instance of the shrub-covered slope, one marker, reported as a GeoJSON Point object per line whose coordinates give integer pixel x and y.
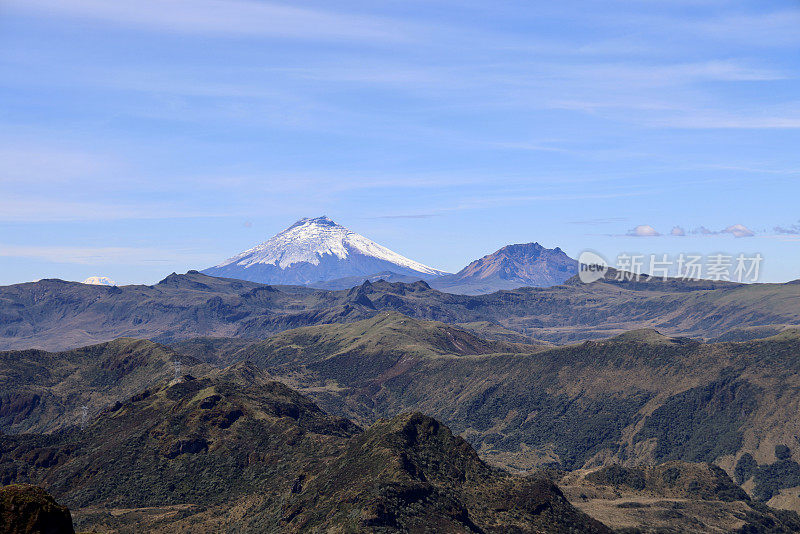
{"type": "Point", "coordinates": [235, 451]}
{"type": "Point", "coordinates": [640, 397]}
{"type": "Point", "coordinates": [673, 497]}
{"type": "Point", "coordinates": [42, 391]}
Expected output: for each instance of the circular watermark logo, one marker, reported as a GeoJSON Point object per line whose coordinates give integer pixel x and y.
{"type": "Point", "coordinates": [591, 267]}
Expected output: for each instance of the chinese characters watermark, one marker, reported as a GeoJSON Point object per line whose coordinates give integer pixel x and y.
{"type": "Point", "coordinates": [742, 268]}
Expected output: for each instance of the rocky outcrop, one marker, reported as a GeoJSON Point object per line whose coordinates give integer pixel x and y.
{"type": "Point", "coordinates": [26, 509]}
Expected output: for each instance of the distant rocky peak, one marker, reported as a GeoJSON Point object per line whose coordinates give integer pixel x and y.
{"type": "Point", "coordinates": [512, 266]}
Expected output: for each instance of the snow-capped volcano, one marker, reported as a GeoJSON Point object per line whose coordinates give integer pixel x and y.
{"type": "Point", "coordinates": [315, 250]}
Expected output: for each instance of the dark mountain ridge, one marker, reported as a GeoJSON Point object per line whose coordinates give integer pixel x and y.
{"type": "Point", "coordinates": [56, 315]}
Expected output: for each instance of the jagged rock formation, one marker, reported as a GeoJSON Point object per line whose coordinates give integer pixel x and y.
{"type": "Point", "coordinates": [27, 509]}
{"type": "Point", "coordinates": [511, 267]}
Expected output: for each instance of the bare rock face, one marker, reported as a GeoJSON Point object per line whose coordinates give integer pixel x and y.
{"type": "Point", "coordinates": [26, 509]}
{"type": "Point", "coordinates": [513, 266]}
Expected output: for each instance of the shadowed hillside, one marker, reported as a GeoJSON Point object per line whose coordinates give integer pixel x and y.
{"type": "Point", "coordinates": [411, 474]}
{"type": "Point", "coordinates": [43, 391]}
{"type": "Point", "coordinates": [237, 451]}
{"type": "Point", "coordinates": [637, 398]}
{"type": "Point", "coordinates": [640, 397]}
{"type": "Point", "coordinates": [26, 509]}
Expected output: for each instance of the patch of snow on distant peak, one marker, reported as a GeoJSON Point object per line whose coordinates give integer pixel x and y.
{"type": "Point", "coordinates": [100, 281]}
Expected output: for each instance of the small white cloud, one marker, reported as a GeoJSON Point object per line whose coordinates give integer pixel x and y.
{"type": "Point", "coordinates": [100, 281]}
{"type": "Point", "coordinates": [739, 230]}
{"type": "Point", "coordinates": [703, 231]}
{"type": "Point", "coordinates": [793, 229]}
{"type": "Point", "coordinates": [643, 230]}
{"type": "Point", "coordinates": [677, 230]}
{"type": "Point", "coordinates": [736, 230]}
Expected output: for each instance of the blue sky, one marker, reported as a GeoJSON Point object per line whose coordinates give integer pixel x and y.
{"type": "Point", "coordinates": [141, 138]}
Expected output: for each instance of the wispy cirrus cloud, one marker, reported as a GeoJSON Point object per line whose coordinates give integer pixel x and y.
{"type": "Point", "coordinates": [104, 255]}
{"type": "Point", "coordinates": [222, 18]}
{"type": "Point", "coordinates": [769, 28]}
{"type": "Point", "coordinates": [704, 120]}
{"type": "Point", "coordinates": [52, 208]}
{"type": "Point", "coordinates": [35, 163]}
{"type": "Point", "coordinates": [599, 220]}
{"type": "Point", "coordinates": [408, 216]}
